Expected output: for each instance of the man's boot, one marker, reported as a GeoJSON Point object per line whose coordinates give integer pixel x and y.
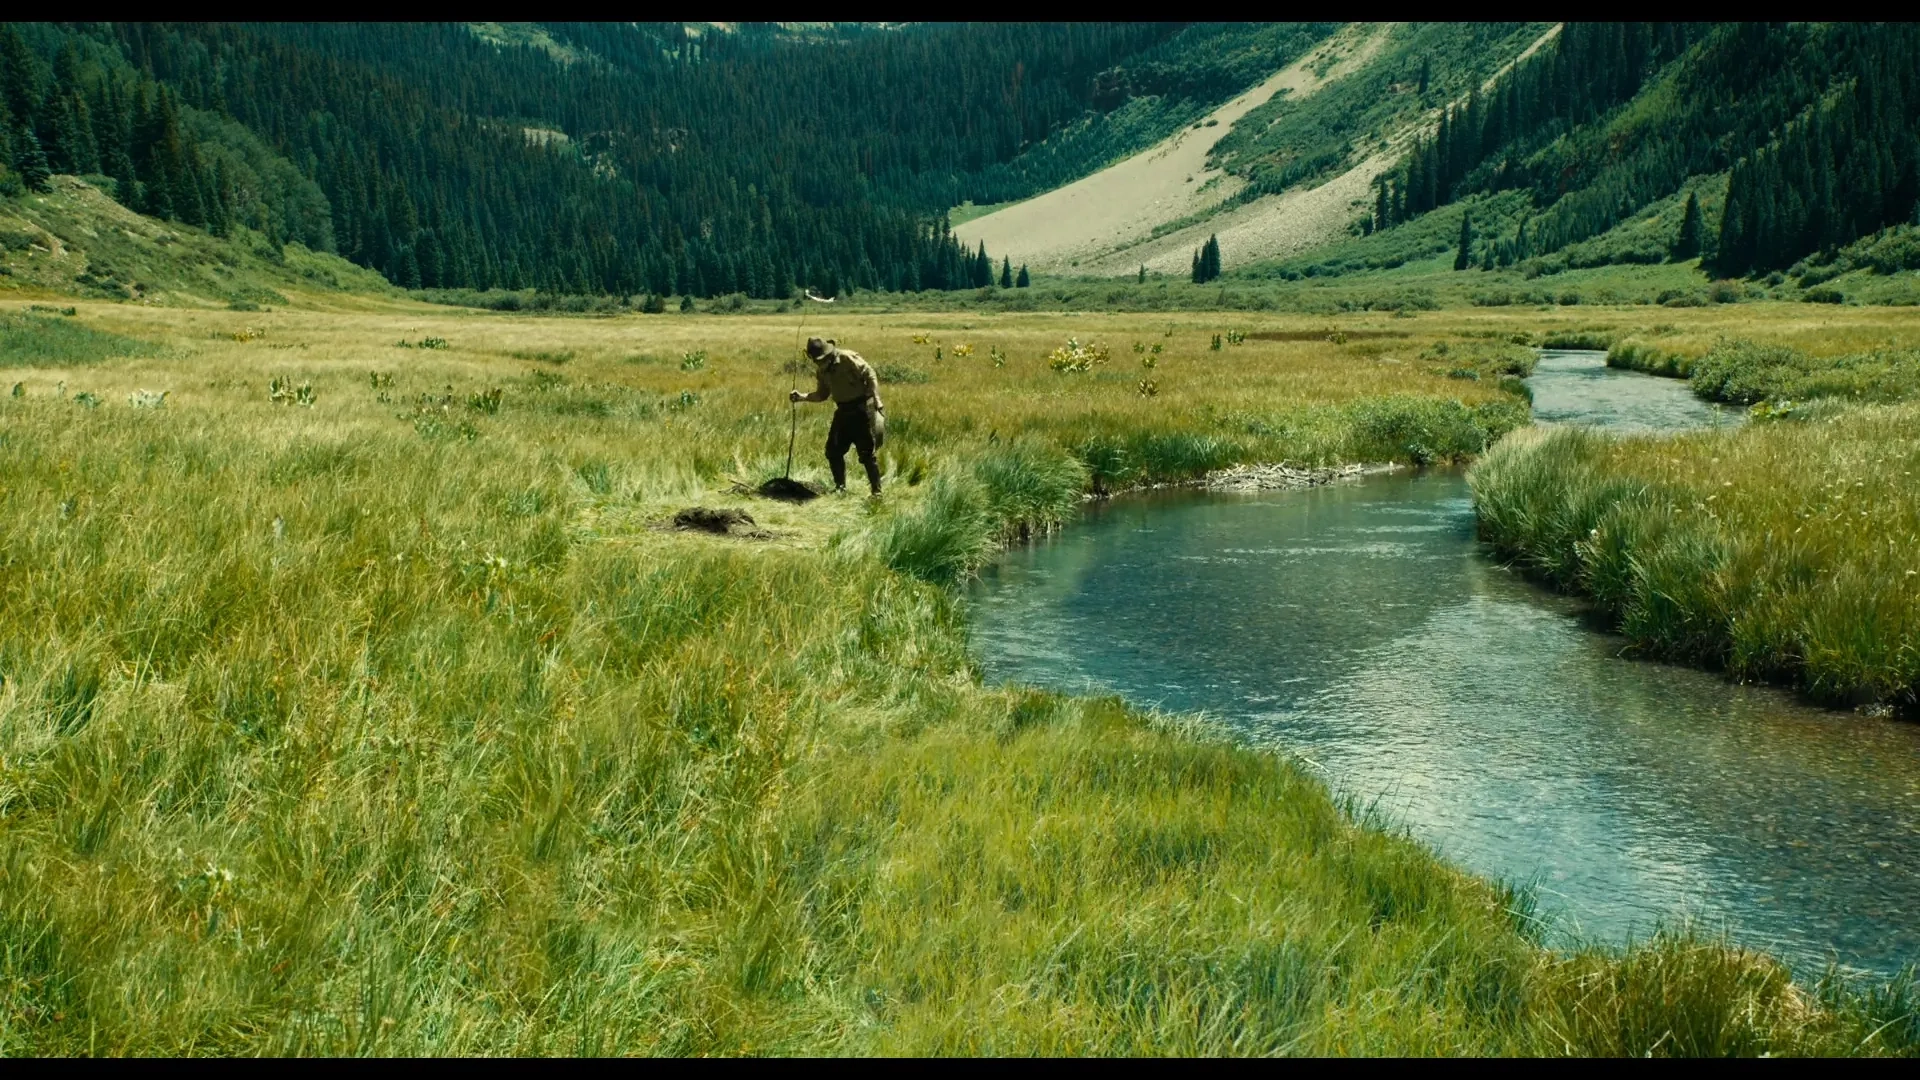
{"type": "Point", "coordinates": [839, 466]}
{"type": "Point", "coordinates": [873, 475]}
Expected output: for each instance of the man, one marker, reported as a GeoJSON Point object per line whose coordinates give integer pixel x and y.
{"type": "Point", "coordinates": [859, 420]}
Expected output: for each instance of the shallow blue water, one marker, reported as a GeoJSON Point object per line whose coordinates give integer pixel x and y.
{"type": "Point", "coordinates": [1361, 628]}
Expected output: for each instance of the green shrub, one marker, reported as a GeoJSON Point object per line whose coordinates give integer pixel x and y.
{"type": "Point", "coordinates": [1890, 252]}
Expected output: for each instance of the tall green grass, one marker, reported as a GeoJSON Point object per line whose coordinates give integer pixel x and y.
{"type": "Point", "coordinates": [1578, 339]}
{"type": "Point", "coordinates": [1390, 428]}
{"type": "Point", "coordinates": [28, 340]}
{"type": "Point", "coordinates": [1010, 494]}
{"type": "Point", "coordinates": [1784, 551]}
{"type": "Point", "coordinates": [1744, 372]}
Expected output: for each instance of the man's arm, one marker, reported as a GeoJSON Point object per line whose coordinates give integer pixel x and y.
{"type": "Point", "coordinates": [873, 386]}
{"type": "Point", "coordinates": [820, 391]}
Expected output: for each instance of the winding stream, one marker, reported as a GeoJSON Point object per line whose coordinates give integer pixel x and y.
{"type": "Point", "coordinates": [1360, 627]}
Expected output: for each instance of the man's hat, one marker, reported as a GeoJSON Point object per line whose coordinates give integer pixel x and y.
{"type": "Point", "coordinates": [817, 348]}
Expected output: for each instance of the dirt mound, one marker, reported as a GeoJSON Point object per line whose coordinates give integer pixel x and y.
{"type": "Point", "coordinates": [787, 489]}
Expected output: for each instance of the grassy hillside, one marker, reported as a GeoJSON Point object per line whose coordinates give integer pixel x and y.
{"type": "Point", "coordinates": [75, 241]}
{"type": "Point", "coordinates": [1149, 97]}
{"type": "Point", "coordinates": [1284, 143]}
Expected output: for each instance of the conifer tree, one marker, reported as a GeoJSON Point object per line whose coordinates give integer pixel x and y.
{"type": "Point", "coordinates": [1463, 258]}
{"type": "Point", "coordinates": [17, 81]}
{"type": "Point", "coordinates": [1687, 244]}
{"type": "Point", "coordinates": [1023, 280]}
{"type": "Point", "coordinates": [1006, 272]}
{"type": "Point", "coordinates": [29, 160]}
{"type": "Point", "coordinates": [1206, 261]}
{"type": "Point", "coordinates": [1143, 274]}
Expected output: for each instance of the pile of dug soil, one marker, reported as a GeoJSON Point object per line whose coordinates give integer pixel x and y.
{"type": "Point", "coordinates": [787, 489]}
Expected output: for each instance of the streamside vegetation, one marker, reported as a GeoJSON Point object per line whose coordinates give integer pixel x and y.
{"type": "Point", "coordinates": [389, 715]}
{"type": "Point", "coordinates": [1777, 377]}
{"type": "Point", "coordinates": [1783, 550]}
{"type": "Point", "coordinates": [1780, 551]}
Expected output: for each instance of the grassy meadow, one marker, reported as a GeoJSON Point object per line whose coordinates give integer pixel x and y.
{"type": "Point", "coordinates": [356, 701]}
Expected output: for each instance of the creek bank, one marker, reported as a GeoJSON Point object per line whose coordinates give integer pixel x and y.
{"type": "Point", "coordinates": [1265, 476]}
{"type": "Point", "coordinates": [1287, 477]}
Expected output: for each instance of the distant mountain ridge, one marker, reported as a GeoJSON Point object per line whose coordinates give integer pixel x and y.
{"type": "Point", "coordinates": [694, 161]}
{"type": "Point", "coordinates": [1791, 142]}
{"type": "Point", "coordinates": [701, 159]}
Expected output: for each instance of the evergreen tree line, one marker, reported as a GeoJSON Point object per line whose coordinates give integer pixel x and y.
{"type": "Point", "coordinates": [1844, 169]}
{"type": "Point", "coordinates": [740, 165]}
{"type": "Point", "coordinates": [1816, 122]}
{"type": "Point", "coordinates": [1483, 143]}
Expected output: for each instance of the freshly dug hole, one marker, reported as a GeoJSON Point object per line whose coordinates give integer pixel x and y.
{"type": "Point", "coordinates": [707, 519]}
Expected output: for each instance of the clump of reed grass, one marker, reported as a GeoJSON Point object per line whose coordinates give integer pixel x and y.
{"type": "Point", "coordinates": [1426, 431]}
{"type": "Point", "coordinates": [1488, 359]}
{"type": "Point", "coordinates": [1746, 372]}
{"type": "Point", "coordinates": [944, 539]}
{"type": "Point", "coordinates": [1030, 486]}
{"type": "Point", "coordinates": [1596, 339]}
{"type": "Point", "coordinates": [1010, 493]}
{"type": "Point", "coordinates": [1635, 355]}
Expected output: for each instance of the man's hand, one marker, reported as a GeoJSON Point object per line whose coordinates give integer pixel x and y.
{"type": "Point", "coordinates": [795, 395]}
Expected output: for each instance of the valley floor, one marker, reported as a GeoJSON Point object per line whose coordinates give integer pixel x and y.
{"type": "Point", "coordinates": [358, 699]}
